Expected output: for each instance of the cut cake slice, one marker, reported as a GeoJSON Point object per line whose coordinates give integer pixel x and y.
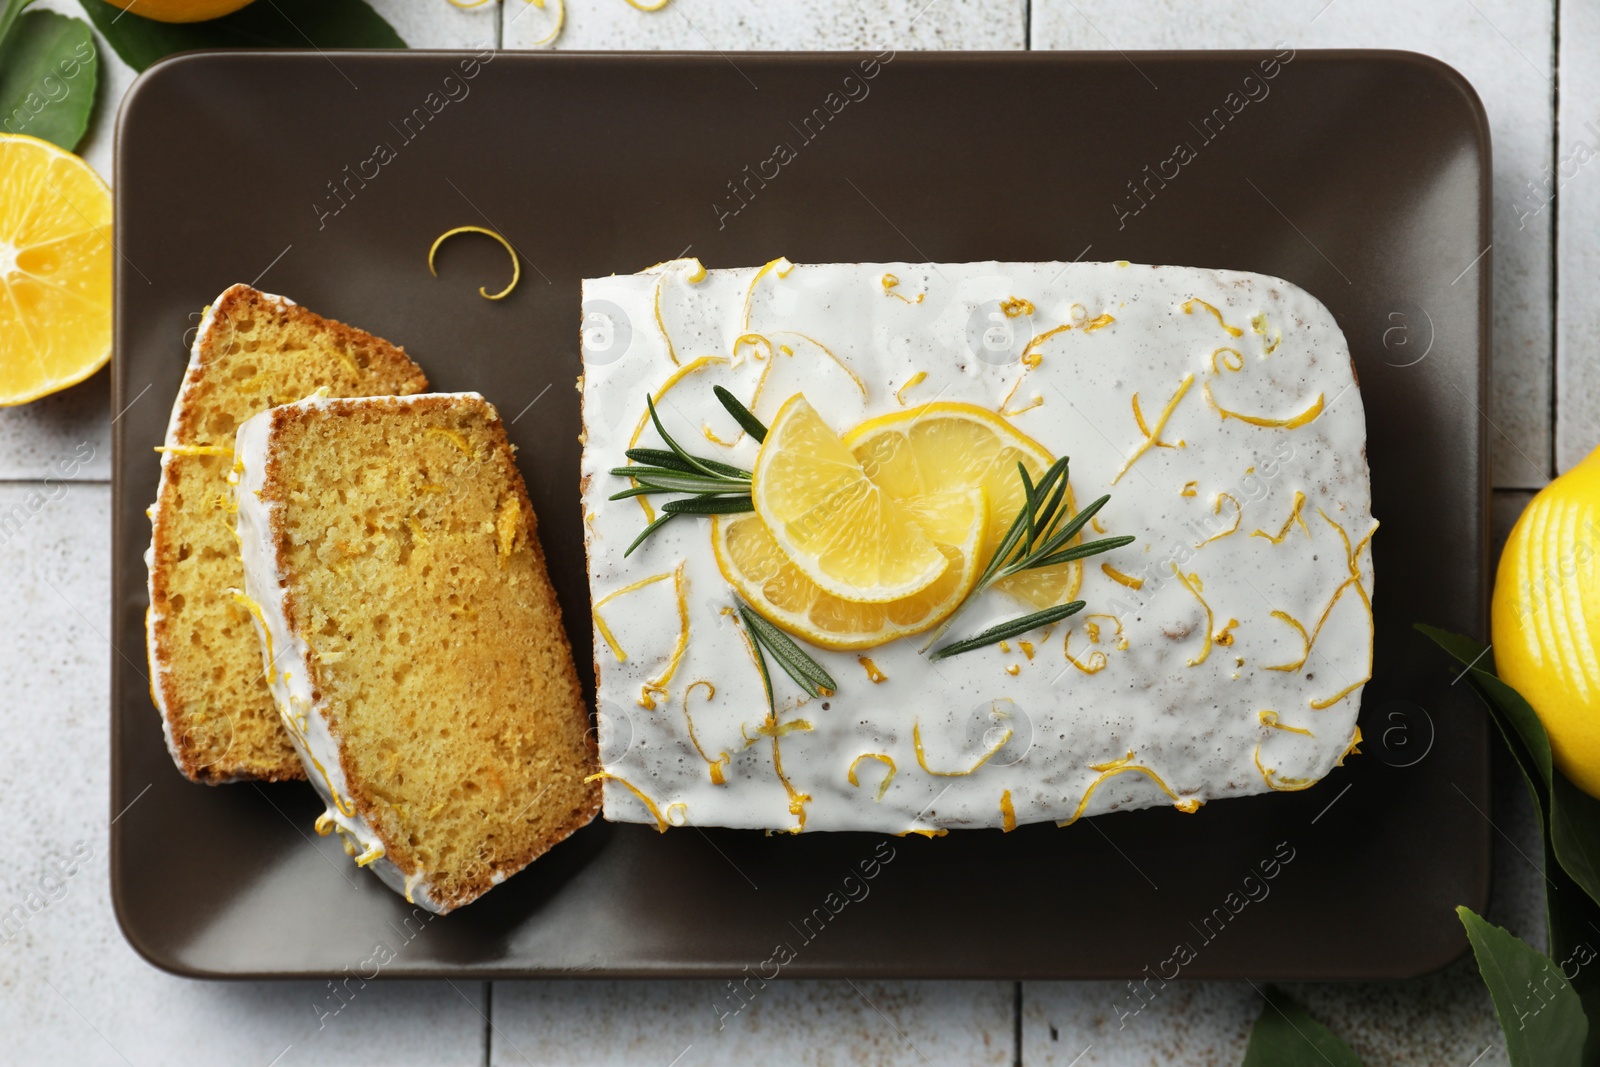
{"type": "Point", "coordinates": [414, 641]}
{"type": "Point", "coordinates": [251, 351]}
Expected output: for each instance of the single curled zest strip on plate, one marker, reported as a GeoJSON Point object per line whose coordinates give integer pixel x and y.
{"type": "Point", "coordinates": [516, 261]}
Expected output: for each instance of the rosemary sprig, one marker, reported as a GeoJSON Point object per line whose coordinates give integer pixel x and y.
{"type": "Point", "coordinates": [712, 487]}
{"type": "Point", "coordinates": [1037, 538]}
{"type": "Point", "coordinates": [768, 639]}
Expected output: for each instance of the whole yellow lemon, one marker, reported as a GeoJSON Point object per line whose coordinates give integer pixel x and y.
{"type": "Point", "coordinates": [180, 10]}
{"type": "Point", "coordinates": [1546, 617]}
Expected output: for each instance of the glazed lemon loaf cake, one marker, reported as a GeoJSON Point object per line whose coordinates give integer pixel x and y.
{"type": "Point", "coordinates": [251, 351]}
{"type": "Point", "coordinates": [412, 639]}
{"type": "Point", "coordinates": [1221, 653]}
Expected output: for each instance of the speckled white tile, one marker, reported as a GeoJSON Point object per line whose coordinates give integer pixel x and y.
{"type": "Point", "coordinates": [701, 1024]}
{"type": "Point", "coordinates": [440, 24]}
{"type": "Point", "coordinates": [1576, 174]}
{"type": "Point", "coordinates": [67, 435]}
{"type": "Point", "coordinates": [1441, 1018]}
{"type": "Point", "coordinates": [1505, 49]}
{"type": "Point", "coordinates": [71, 989]}
{"type": "Point", "coordinates": [759, 24]}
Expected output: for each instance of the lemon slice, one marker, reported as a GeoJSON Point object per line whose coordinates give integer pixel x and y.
{"type": "Point", "coordinates": [753, 564]}
{"type": "Point", "coordinates": [838, 527]}
{"type": "Point", "coordinates": [55, 269]}
{"type": "Point", "coordinates": [922, 454]}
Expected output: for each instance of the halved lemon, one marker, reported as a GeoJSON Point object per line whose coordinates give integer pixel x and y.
{"type": "Point", "coordinates": [55, 269]}
{"type": "Point", "coordinates": [838, 527]}
{"type": "Point", "coordinates": [921, 455]}
{"type": "Point", "coordinates": [753, 564]}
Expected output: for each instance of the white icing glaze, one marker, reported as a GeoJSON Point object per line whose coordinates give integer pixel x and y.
{"type": "Point", "coordinates": [289, 667]}
{"type": "Point", "coordinates": [1198, 728]}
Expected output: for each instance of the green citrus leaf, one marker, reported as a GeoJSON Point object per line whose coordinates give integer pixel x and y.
{"type": "Point", "coordinates": [48, 70]}
{"type": "Point", "coordinates": [264, 24]}
{"type": "Point", "coordinates": [1285, 1035]}
{"type": "Point", "coordinates": [1569, 824]}
{"type": "Point", "coordinates": [1539, 1012]}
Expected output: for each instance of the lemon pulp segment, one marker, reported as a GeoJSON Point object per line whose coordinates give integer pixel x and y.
{"type": "Point", "coordinates": [841, 529]}
{"type": "Point", "coordinates": [923, 454]}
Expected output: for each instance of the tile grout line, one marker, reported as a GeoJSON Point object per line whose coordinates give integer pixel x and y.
{"type": "Point", "coordinates": [9, 481]}
{"type": "Point", "coordinates": [488, 1018]}
{"type": "Point", "coordinates": [1016, 1024]}
{"type": "Point", "coordinates": [1555, 239]}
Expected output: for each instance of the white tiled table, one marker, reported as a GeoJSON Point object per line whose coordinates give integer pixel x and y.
{"type": "Point", "coordinates": [73, 992]}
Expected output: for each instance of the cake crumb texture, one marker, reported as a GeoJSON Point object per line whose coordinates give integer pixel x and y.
{"type": "Point", "coordinates": [413, 571]}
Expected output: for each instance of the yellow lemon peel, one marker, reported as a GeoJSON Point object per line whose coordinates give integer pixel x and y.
{"type": "Point", "coordinates": [1110, 770]}
{"type": "Point", "coordinates": [1234, 364]}
{"type": "Point", "coordinates": [194, 450]}
{"type": "Point", "coordinates": [1238, 514]}
{"type": "Point", "coordinates": [1353, 749]}
{"type": "Point", "coordinates": [1193, 583]}
{"type": "Point", "coordinates": [657, 686]}
{"type": "Point", "coordinates": [455, 439]}
{"type": "Point", "coordinates": [1305, 638]}
{"type": "Point", "coordinates": [1152, 437]}
{"type": "Point", "coordinates": [715, 766]}
{"type": "Point", "coordinates": [1294, 517]}
{"type": "Point", "coordinates": [922, 756]}
{"type": "Point", "coordinates": [883, 758]}
{"type": "Point", "coordinates": [890, 282]}
{"type": "Point", "coordinates": [1095, 662]}
{"type": "Point", "coordinates": [1258, 323]}
{"type": "Point", "coordinates": [1008, 813]}
{"type": "Point", "coordinates": [1294, 422]}
{"type": "Point", "coordinates": [781, 267]}
{"type": "Point", "coordinates": [1121, 579]}
{"type": "Point", "coordinates": [911, 383]}
{"type": "Point", "coordinates": [692, 276]}
{"type": "Point", "coordinates": [1194, 301]}
{"type": "Point", "coordinates": [1270, 718]}
{"type": "Point", "coordinates": [650, 805]}
{"type": "Point", "coordinates": [1282, 785]}
{"type": "Point", "coordinates": [516, 261]}
{"type": "Point", "coordinates": [600, 622]}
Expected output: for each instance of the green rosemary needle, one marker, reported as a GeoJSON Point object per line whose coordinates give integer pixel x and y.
{"type": "Point", "coordinates": [1037, 538]}
{"type": "Point", "coordinates": [768, 639]}
{"type": "Point", "coordinates": [711, 487]}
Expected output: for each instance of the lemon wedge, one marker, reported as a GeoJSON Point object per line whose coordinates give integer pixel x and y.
{"type": "Point", "coordinates": [753, 564]}
{"type": "Point", "coordinates": [921, 455]}
{"type": "Point", "coordinates": [836, 525]}
{"type": "Point", "coordinates": [55, 269]}
{"type": "Point", "coordinates": [1546, 617]}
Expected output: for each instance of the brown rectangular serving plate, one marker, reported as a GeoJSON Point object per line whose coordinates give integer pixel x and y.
{"type": "Point", "coordinates": [1361, 176]}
